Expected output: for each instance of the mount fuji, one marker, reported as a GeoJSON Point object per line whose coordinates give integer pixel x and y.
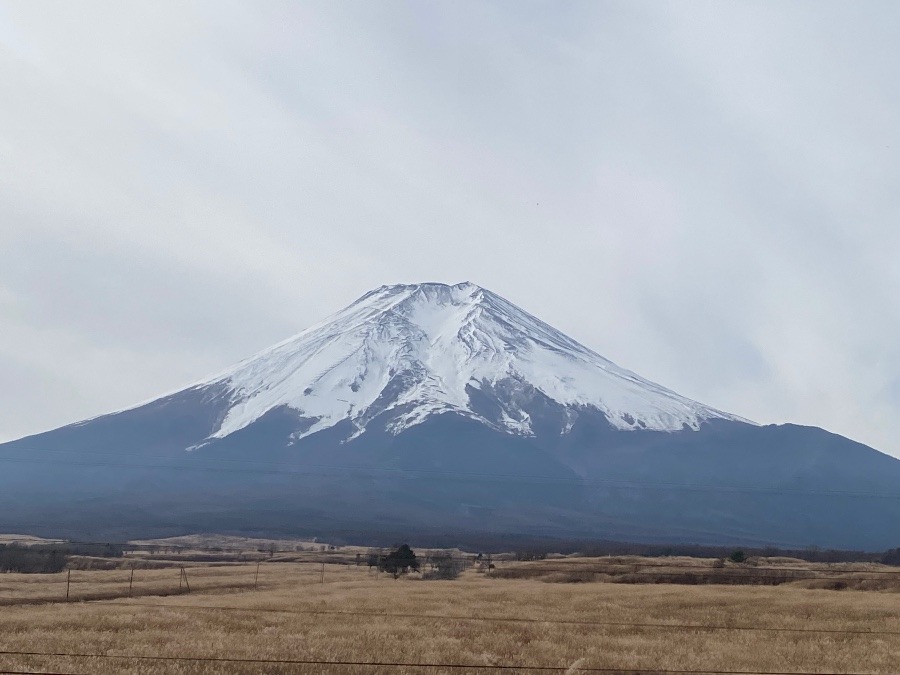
{"type": "Point", "coordinates": [432, 410]}
{"type": "Point", "coordinates": [409, 353]}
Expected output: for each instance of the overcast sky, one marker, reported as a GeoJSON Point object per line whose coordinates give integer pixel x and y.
{"type": "Point", "coordinates": [704, 192]}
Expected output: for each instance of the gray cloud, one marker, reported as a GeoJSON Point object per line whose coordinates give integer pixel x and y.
{"type": "Point", "coordinates": [704, 192]}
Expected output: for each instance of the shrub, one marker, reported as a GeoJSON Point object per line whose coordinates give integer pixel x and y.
{"type": "Point", "coordinates": [443, 567]}
{"type": "Point", "coordinates": [738, 556]}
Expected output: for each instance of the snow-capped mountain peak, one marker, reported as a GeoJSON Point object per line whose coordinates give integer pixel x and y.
{"type": "Point", "coordinates": [409, 352]}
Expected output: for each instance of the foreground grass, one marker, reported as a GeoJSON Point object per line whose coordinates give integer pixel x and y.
{"type": "Point", "coordinates": [356, 616]}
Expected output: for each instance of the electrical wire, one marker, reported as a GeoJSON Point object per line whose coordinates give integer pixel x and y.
{"type": "Point", "coordinates": [497, 619]}
{"type": "Point", "coordinates": [402, 664]}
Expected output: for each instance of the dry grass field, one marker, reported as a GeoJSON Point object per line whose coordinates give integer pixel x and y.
{"type": "Point", "coordinates": [605, 615]}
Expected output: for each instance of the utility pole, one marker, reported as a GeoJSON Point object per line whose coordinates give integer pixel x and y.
{"type": "Point", "coordinates": [68, 581]}
{"type": "Point", "coordinates": [131, 582]}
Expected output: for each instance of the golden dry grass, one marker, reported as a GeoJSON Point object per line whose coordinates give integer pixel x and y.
{"type": "Point", "coordinates": [359, 616]}
{"type": "Point", "coordinates": [698, 571]}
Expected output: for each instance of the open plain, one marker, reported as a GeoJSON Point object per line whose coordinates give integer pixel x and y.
{"type": "Point", "coordinates": [293, 614]}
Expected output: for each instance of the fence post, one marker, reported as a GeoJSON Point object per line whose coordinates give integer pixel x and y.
{"type": "Point", "coordinates": [184, 578]}
{"type": "Point", "coordinates": [256, 581]}
{"type": "Point", "coordinates": [323, 572]}
{"type": "Point", "coordinates": [68, 581]}
{"type": "Point", "coordinates": [131, 582]}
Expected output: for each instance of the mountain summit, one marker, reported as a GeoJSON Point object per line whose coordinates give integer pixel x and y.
{"type": "Point", "coordinates": [419, 350]}
{"type": "Point", "coordinates": [446, 415]}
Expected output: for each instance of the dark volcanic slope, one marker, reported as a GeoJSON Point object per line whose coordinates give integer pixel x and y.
{"type": "Point", "coordinates": [128, 474]}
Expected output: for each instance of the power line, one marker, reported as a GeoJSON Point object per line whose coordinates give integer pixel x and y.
{"type": "Point", "coordinates": [408, 664]}
{"type": "Point", "coordinates": [498, 619]}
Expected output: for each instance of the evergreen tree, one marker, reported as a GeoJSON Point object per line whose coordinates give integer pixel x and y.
{"type": "Point", "coordinates": [400, 561]}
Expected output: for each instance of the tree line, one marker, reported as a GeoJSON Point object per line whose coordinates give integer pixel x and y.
{"type": "Point", "coordinates": [47, 559]}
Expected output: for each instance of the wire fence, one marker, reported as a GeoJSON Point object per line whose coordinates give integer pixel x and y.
{"type": "Point", "coordinates": [672, 626]}
{"type": "Point", "coordinates": [135, 575]}
{"type": "Point", "coordinates": [116, 588]}
{"type": "Point", "coordinates": [401, 664]}
{"type": "Point", "coordinates": [174, 552]}
{"type": "Point", "coordinates": [97, 585]}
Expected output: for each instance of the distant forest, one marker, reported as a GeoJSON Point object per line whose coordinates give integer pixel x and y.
{"type": "Point", "coordinates": [49, 558]}
{"type": "Point", "coordinates": [809, 554]}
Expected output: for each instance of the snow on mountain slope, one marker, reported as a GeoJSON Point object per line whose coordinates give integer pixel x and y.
{"type": "Point", "coordinates": [417, 350]}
